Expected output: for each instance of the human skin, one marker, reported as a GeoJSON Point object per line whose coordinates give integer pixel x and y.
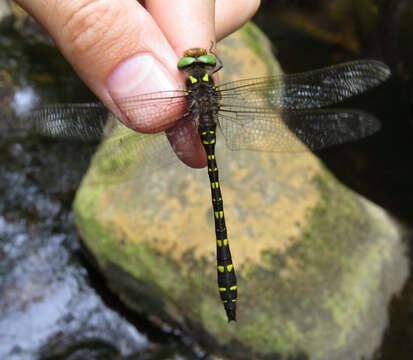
{"type": "Point", "coordinates": [128, 47]}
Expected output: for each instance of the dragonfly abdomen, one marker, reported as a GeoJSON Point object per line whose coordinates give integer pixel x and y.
{"type": "Point", "coordinates": [227, 282]}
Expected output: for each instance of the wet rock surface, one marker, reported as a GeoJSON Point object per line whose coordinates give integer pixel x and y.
{"type": "Point", "coordinates": [53, 304]}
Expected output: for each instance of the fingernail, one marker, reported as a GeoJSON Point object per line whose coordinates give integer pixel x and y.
{"type": "Point", "coordinates": [139, 74]}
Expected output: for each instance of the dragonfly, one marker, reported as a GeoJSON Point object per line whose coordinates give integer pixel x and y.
{"type": "Point", "coordinates": [275, 113]}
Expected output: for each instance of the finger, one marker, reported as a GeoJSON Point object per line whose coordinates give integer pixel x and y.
{"type": "Point", "coordinates": [184, 139]}
{"type": "Point", "coordinates": [231, 15]}
{"type": "Point", "coordinates": [186, 24]}
{"type": "Point", "coordinates": [115, 46]}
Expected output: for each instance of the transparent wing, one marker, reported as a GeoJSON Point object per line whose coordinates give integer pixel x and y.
{"type": "Point", "coordinates": [124, 148]}
{"type": "Point", "coordinates": [162, 108]}
{"type": "Point", "coordinates": [127, 154]}
{"type": "Point", "coordinates": [246, 115]}
{"type": "Point", "coordinates": [301, 91]}
{"type": "Point", "coordinates": [73, 121]}
{"type": "Point", "coordinates": [86, 121]}
{"type": "Point", "coordinates": [294, 131]}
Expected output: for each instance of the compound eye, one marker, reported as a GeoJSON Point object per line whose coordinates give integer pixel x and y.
{"type": "Point", "coordinates": [186, 61]}
{"type": "Point", "coordinates": [207, 59]}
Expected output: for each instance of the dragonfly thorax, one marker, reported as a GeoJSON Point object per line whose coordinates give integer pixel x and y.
{"type": "Point", "coordinates": [201, 93]}
{"type": "Point", "coordinates": [202, 97]}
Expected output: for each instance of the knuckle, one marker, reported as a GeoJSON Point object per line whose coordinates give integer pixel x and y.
{"type": "Point", "coordinates": [86, 28]}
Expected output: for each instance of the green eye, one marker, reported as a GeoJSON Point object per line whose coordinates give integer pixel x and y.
{"type": "Point", "coordinates": [186, 61]}
{"type": "Point", "coordinates": [207, 59]}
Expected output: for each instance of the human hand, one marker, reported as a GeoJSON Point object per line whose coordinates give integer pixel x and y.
{"type": "Point", "coordinates": [127, 47]}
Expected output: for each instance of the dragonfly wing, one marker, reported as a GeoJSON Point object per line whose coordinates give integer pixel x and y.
{"type": "Point", "coordinates": [312, 89]}
{"type": "Point", "coordinates": [61, 121]}
{"type": "Point", "coordinates": [87, 121]}
{"type": "Point", "coordinates": [154, 110]}
{"type": "Point", "coordinates": [127, 155]}
{"type": "Point", "coordinates": [295, 131]}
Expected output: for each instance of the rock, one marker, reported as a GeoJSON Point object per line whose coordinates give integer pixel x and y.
{"type": "Point", "coordinates": [316, 263]}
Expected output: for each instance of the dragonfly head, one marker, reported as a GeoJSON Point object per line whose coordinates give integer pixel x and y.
{"type": "Point", "coordinates": [196, 58]}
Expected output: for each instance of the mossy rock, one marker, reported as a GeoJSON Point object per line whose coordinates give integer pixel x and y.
{"type": "Point", "coordinates": [315, 262]}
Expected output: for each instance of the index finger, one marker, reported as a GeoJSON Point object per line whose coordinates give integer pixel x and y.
{"type": "Point", "coordinates": [186, 25]}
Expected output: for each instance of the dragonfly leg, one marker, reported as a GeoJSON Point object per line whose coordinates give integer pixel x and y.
{"type": "Point", "coordinates": [219, 65]}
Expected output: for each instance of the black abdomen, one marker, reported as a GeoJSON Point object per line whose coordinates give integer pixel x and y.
{"type": "Point", "coordinates": [227, 282]}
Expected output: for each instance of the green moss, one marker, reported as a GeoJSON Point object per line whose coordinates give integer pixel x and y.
{"type": "Point", "coordinates": [335, 226]}
{"type": "Point", "coordinates": [144, 264]}
{"type": "Point", "coordinates": [335, 240]}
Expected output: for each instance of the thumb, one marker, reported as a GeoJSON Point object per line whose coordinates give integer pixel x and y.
{"type": "Point", "coordinates": [115, 46]}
